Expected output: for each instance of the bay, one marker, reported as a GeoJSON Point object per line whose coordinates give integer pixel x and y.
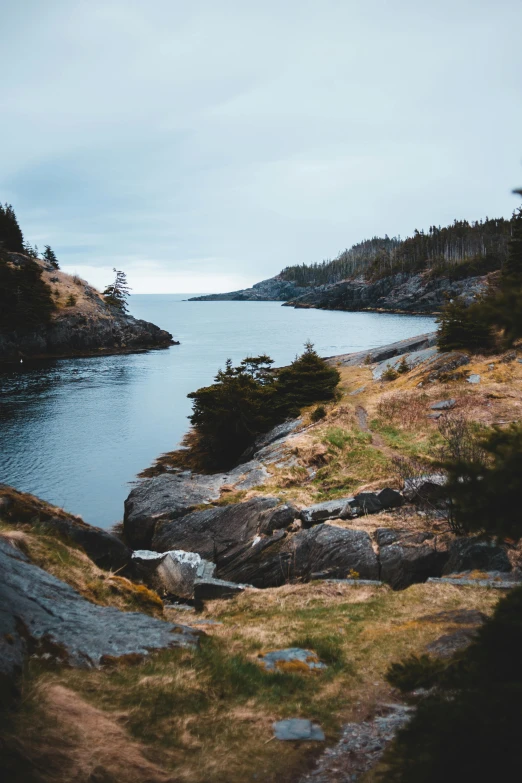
{"type": "Point", "coordinates": [77, 431]}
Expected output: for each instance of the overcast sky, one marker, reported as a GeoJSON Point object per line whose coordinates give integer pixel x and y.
{"type": "Point", "coordinates": [204, 145]}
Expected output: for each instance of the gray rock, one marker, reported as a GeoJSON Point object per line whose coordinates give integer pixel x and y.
{"type": "Point", "coordinates": [218, 532]}
{"type": "Point", "coordinates": [450, 643]}
{"type": "Point", "coordinates": [414, 358]}
{"type": "Point", "coordinates": [473, 378]}
{"type": "Point", "coordinates": [367, 503]}
{"type": "Point", "coordinates": [172, 573]}
{"type": "Point", "coordinates": [104, 548]}
{"type": "Point", "coordinates": [425, 487]}
{"type": "Point", "coordinates": [298, 729]}
{"type": "Point", "coordinates": [390, 498]}
{"type": "Point", "coordinates": [308, 659]}
{"type": "Point", "coordinates": [470, 554]}
{"type": "Point", "coordinates": [165, 497]}
{"type": "Point", "coordinates": [463, 580]}
{"type": "Point", "coordinates": [323, 549]}
{"type": "Point", "coordinates": [407, 558]}
{"type": "Point", "coordinates": [40, 614]}
{"type": "Point", "coordinates": [443, 405]}
{"type": "Point", "coordinates": [210, 589]}
{"type": "Point", "coordinates": [384, 352]}
{"type": "Point", "coordinates": [278, 518]}
{"type": "Point", "coordinates": [341, 508]}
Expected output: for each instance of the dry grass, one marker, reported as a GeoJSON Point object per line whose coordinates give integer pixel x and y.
{"type": "Point", "coordinates": [63, 286]}
{"type": "Point", "coordinates": [206, 716]}
{"type": "Point", "coordinates": [73, 566]}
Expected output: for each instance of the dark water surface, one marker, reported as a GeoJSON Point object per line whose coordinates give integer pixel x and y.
{"type": "Point", "coordinates": [77, 431]}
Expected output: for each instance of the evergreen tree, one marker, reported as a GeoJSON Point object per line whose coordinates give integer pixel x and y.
{"type": "Point", "coordinates": [11, 237]}
{"type": "Point", "coordinates": [504, 308]}
{"type": "Point", "coordinates": [25, 300]}
{"type": "Point", "coordinates": [50, 256]}
{"type": "Point", "coordinates": [463, 327]}
{"type": "Point", "coordinates": [307, 380]}
{"type": "Point", "coordinates": [117, 293]}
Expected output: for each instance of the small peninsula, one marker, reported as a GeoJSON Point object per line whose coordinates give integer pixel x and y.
{"type": "Point", "coordinates": [45, 312]}
{"type": "Point", "coordinates": [415, 275]}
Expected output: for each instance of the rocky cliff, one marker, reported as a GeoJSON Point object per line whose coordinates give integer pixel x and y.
{"type": "Point", "coordinates": [398, 293]}
{"type": "Point", "coordinates": [81, 322]}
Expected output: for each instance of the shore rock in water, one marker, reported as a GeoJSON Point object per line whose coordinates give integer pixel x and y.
{"type": "Point", "coordinates": [470, 554]}
{"type": "Point", "coordinates": [41, 614]}
{"type": "Point", "coordinates": [104, 548]}
{"type": "Point", "coordinates": [407, 558]}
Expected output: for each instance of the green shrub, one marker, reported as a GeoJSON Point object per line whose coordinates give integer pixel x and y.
{"type": "Point", "coordinates": [390, 374]}
{"type": "Point", "coordinates": [318, 413]}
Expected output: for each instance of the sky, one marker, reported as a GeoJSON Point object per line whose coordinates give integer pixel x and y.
{"type": "Point", "coordinates": [202, 146]}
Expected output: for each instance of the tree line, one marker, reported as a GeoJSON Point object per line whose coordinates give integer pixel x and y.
{"type": "Point", "coordinates": [462, 249]}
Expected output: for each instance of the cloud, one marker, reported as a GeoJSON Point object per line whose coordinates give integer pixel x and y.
{"type": "Point", "coordinates": [223, 141]}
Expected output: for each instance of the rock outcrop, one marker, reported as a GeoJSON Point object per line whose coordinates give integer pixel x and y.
{"type": "Point", "coordinates": [399, 293]}
{"type": "Point", "coordinates": [87, 327]}
{"type": "Point", "coordinates": [105, 549]}
{"type": "Point", "coordinates": [40, 614]}
{"type": "Point", "coordinates": [274, 289]}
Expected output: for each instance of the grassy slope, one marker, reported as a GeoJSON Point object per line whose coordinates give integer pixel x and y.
{"type": "Point", "coordinates": [206, 716]}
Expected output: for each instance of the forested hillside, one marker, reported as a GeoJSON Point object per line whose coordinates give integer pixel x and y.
{"type": "Point", "coordinates": [460, 250]}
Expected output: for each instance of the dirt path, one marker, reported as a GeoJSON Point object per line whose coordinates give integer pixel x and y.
{"type": "Point", "coordinates": [377, 440]}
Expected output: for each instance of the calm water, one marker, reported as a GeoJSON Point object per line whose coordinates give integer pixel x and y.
{"type": "Point", "coordinates": [77, 431]}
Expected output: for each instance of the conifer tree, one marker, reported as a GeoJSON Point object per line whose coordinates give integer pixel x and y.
{"type": "Point", "coordinates": [307, 380]}
{"type": "Point", "coordinates": [463, 327]}
{"type": "Point", "coordinates": [11, 237]}
{"type": "Point", "coordinates": [50, 256]}
{"type": "Point", "coordinates": [117, 293]}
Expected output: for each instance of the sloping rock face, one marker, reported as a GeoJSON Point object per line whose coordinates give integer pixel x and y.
{"type": "Point", "coordinates": [407, 558]}
{"type": "Point", "coordinates": [216, 533]}
{"type": "Point", "coordinates": [323, 550]}
{"type": "Point", "coordinates": [273, 289]}
{"type": "Point", "coordinates": [402, 292]}
{"type": "Point", "coordinates": [469, 554]}
{"type": "Point", "coordinates": [105, 549]}
{"type": "Point", "coordinates": [421, 342]}
{"type": "Point", "coordinates": [41, 614]}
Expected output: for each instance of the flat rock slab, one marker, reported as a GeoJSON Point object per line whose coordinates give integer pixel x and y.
{"type": "Point", "coordinates": [473, 378]}
{"type": "Point", "coordinates": [330, 509]}
{"type": "Point", "coordinates": [493, 583]}
{"type": "Point", "coordinates": [450, 643]}
{"type": "Point", "coordinates": [291, 659]}
{"type": "Point", "coordinates": [41, 614]}
{"type": "Point", "coordinates": [298, 730]}
{"type": "Point", "coordinates": [212, 589]}
{"type": "Point", "coordinates": [385, 351]}
{"type": "Point", "coordinates": [443, 405]}
{"type": "Point", "coordinates": [413, 359]}
{"type": "Point", "coordinates": [356, 582]}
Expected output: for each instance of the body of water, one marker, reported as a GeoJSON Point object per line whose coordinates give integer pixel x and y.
{"type": "Point", "coordinates": [77, 431]}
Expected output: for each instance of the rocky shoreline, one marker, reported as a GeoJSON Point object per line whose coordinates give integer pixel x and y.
{"type": "Point", "coordinates": [417, 294]}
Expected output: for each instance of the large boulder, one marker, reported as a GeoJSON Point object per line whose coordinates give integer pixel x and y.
{"type": "Point", "coordinates": [408, 557]}
{"type": "Point", "coordinates": [470, 554]}
{"type": "Point", "coordinates": [330, 509]}
{"type": "Point", "coordinates": [215, 533]}
{"type": "Point", "coordinates": [39, 614]}
{"type": "Point", "coordinates": [318, 552]}
{"type": "Point", "coordinates": [105, 549]}
{"type": "Point", "coordinates": [171, 573]}
{"type": "Point", "coordinates": [165, 497]}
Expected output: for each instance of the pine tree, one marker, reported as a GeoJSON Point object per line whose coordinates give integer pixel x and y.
{"type": "Point", "coordinates": [11, 237]}
{"type": "Point", "coordinates": [50, 256]}
{"type": "Point", "coordinates": [117, 293]}
{"type": "Point", "coordinates": [307, 380]}
{"type": "Point", "coordinates": [463, 327]}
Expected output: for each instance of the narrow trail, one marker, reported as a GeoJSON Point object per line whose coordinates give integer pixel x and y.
{"type": "Point", "coordinates": [377, 440]}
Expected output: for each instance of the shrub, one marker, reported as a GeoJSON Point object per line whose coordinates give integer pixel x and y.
{"type": "Point", "coordinates": [71, 301]}
{"type": "Point", "coordinates": [464, 327]}
{"type": "Point", "coordinates": [390, 374]}
{"type": "Point", "coordinates": [403, 367]}
{"type": "Point", "coordinates": [468, 727]}
{"type": "Point", "coordinates": [318, 413]}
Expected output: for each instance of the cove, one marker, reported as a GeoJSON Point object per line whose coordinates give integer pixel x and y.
{"type": "Point", "coordinates": [77, 431]}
